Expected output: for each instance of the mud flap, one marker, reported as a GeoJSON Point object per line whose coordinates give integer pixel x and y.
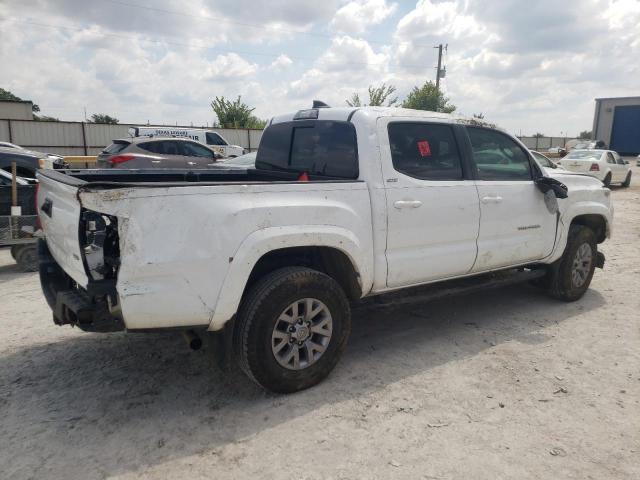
{"type": "Point", "coordinates": [600, 260]}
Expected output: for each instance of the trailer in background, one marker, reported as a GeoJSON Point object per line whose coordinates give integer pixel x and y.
{"type": "Point", "coordinates": [19, 228]}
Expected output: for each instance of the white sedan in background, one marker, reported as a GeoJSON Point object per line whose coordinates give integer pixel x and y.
{"type": "Point", "coordinates": [605, 165]}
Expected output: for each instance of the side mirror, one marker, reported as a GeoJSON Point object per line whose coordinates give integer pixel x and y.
{"type": "Point", "coordinates": [558, 188]}
{"type": "Point", "coordinates": [626, 162]}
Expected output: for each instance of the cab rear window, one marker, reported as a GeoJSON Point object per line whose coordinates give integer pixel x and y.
{"type": "Point", "coordinates": [318, 147]}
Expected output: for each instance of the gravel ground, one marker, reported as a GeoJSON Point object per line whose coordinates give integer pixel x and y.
{"type": "Point", "coordinates": [500, 384]}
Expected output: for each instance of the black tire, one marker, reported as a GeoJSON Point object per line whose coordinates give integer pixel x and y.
{"type": "Point", "coordinates": [627, 180]}
{"type": "Point", "coordinates": [258, 317]}
{"type": "Point", "coordinates": [607, 180]}
{"type": "Point", "coordinates": [561, 280]}
{"type": "Point", "coordinates": [27, 258]}
{"type": "Point", "coordinates": [14, 251]}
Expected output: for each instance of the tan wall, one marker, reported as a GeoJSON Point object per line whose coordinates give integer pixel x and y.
{"type": "Point", "coordinates": [16, 110]}
{"type": "Point", "coordinates": [75, 138]}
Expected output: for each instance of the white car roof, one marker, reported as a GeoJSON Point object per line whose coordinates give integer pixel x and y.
{"type": "Point", "coordinates": [371, 114]}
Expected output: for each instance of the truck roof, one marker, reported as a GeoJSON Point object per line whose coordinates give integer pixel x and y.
{"type": "Point", "coordinates": [371, 114]}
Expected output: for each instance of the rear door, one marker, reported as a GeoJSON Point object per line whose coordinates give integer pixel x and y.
{"type": "Point", "coordinates": [515, 224]}
{"type": "Point", "coordinates": [432, 205]}
{"type": "Point", "coordinates": [620, 168]}
{"type": "Point", "coordinates": [169, 152]}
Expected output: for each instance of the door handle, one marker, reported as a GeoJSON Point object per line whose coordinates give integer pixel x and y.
{"type": "Point", "coordinates": [155, 161]}
{"type": "Point", "coordinates": [191, 163]}
{"type": "Point", "coordinates": [491, 199]}
{"type": "Point", "coordinates": [407, 204]}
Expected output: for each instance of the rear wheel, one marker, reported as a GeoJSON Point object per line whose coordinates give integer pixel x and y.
{"type": "Point", "coordinates": [607, 180]}
{"type": "Point", "coordinates": [569, 278]}
{"type": "Point", "coordinates": [26, 257]}
{"type": "Point", "coordinates": [292, 328]}
{"type": "Point", "coordinates": [627, 180]}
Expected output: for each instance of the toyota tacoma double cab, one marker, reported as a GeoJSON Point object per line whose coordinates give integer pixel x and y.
{"type": "Point", "coordinates": [343, 205]}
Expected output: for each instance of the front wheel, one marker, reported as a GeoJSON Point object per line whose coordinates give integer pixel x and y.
{"type": "Point", "coordinates": [570, 277]}
{"type": "Point", "coordinates": [292, 328]}
{"type": "Point", "coordinates": [627, 180]}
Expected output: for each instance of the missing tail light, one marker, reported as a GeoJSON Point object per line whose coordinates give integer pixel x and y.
{"type": "Point", "coordinates": [100, 244]}
{"type": "Point", "coordinates": [594, 167]}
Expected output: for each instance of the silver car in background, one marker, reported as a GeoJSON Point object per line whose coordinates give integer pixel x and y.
{"type": "Point", "coordinates": [156, 152]}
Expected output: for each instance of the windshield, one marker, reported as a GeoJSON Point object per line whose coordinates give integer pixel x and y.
{"type": "Point", "coordinates": [584, 155]}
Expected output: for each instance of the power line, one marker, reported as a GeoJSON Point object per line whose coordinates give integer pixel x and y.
{"type": "Point", "coordinates": [242, 24]}
{"type": "Point", "coordinates": [77, 28]}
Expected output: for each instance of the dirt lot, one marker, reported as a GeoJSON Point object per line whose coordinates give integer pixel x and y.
{"type": "Point", "coordinates": [502, 384]}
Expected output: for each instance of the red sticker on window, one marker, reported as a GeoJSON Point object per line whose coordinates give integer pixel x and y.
{"type": "Point", "coordinates": [425, 149]}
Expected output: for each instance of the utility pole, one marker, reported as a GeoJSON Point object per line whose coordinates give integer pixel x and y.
{"type": "Point", "coordinates": [438, 72]}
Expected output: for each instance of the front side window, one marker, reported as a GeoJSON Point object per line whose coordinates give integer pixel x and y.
{"type": "Point", "coordinates": [610, 158]}
{"type": "Point", "coordinates": [426, 151]}
{"type": "Point", "coordinates": [214, 139]}
{"type": "Point", "coordinates": [542, 160]}
{"type": "Point", "coordinates": [191, 149]}
{"type": "Point", "coordinates": [498, 157]}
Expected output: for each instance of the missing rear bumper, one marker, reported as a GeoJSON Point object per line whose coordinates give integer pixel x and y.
{"type": "Point", "coordinates": [91, 310]}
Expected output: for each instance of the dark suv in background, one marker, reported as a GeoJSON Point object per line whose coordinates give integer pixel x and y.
{"type": "Point", "coordinates": [156, 152]}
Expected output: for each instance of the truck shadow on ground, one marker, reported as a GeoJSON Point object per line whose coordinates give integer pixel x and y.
{"type": "Point", "coordinates": [95, 405]}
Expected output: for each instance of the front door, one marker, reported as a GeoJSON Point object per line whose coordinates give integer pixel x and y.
{"type": "Point", "coordinates": [516, 226]}
{"type": "Point", "coordinates": [432, 208]}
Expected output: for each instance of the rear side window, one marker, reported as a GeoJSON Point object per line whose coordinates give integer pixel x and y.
{"type": "Point", "coordinates": [425, 150]}
{"type": "Point", "coordinates": [498, 157]}
{"type": "Point", "coordinates": [318, 147]}
{"type": "Point", "coordinates": [165, 147]}
{"type": "Point", "coordinates": [116, 147]}
{"type": "Point", "coordinates": [215, 139]}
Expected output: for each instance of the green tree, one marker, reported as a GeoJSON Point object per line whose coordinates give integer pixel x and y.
{"type": "Point", "coordinates": [103, 118]}
{"type": "Point", "coordinates": [45, 118]}
{"type": "Point", "coordinates": [428, 97]}
{"type": "Point", "coordinates": [538, 135]}
{"type": "Point", "coordinates": [8, 96]}
{"type": "Point", "coordinates": [377, 97]}
{"type": "Point", "coordinates": [236, 114]}
{"type": "Point", "coordinates": [478, 116]}
{"type": "Point", "coordinates": [585, 135]}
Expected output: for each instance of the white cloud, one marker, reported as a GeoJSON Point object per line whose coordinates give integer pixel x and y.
{"type": "Point", "coordinates": [283, 61]}
{"type": "Point", "coordinates": [357, 16]}
{"type": "Point", "coordinates": [535, 68]}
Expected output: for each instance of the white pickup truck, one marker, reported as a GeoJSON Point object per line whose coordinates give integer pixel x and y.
{"type": "Point", "coordinates": [343, 204]}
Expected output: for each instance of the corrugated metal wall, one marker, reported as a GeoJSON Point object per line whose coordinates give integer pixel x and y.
{"type": "Point", "coordinates": [76, 138]}
{"type": "Point", "coordinates": [544, 143]}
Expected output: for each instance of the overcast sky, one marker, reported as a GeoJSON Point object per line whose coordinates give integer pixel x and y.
{"type": "Point", "coordinates": [529, 66]}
